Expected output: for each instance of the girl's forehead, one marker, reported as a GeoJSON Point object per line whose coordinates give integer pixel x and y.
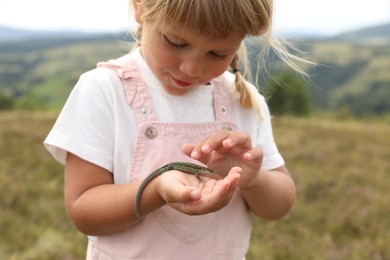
{"type": "Point", "coordinates": [215, 24]}
{"type": "Point", "coordinates": [183, 29]}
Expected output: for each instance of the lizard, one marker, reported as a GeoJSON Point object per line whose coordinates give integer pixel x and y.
{"type": "Point", "coordinates": [187, 167]}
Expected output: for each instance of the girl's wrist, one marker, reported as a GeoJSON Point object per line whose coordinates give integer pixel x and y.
{"type": "Point", "coordinates": [158, 190]}
{"type": "Point", "coordinates": [249, 183]}
{"type": "Point", "coordinates": [151, 197]}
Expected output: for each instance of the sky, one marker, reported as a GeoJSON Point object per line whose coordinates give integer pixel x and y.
{"type": "Point", "coordinates": [327, 17]}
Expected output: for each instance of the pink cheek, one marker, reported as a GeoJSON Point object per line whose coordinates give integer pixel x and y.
{"type": "Point", "coordinates": [214, 72]}
{"type": "Point", "coordinates": [165, 59]}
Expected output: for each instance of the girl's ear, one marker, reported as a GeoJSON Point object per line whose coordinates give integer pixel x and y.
{"type": "Point", "coordinates": [138, 11]}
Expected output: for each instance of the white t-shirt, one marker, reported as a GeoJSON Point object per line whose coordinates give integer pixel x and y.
{"type": "Point", "coordinates": [98, 125]}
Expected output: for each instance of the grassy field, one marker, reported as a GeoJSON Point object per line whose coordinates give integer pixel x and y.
{"type": "Point", "coordinates": [341, 212]}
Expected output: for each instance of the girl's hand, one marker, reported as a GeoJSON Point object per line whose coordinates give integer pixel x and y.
{"type": "Point", "coordinates": [226, 149]}
{"type": "Point", "coordinates": [188, 195]}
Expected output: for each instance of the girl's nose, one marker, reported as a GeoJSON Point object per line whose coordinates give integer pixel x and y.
{"type": "Point", "coordinates": [191, 66]}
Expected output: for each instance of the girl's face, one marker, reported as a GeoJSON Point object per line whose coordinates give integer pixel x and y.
{"type": "Point", "coordinates": [182, 59]}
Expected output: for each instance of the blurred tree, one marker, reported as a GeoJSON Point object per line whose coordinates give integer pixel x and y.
{"type": "Point", "coordinates": [287, 94]}
{"type": "Point", "coordinates": [30, 101]}
{"type": "Point", "coordinates": [6, 101]}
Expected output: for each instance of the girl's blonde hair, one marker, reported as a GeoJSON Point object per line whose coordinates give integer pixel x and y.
{"type": "Point", "coordinates": [217, 18]}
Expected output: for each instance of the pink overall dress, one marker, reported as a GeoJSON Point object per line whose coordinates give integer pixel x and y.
{"type": "Point", "coordinates": [167, 233]}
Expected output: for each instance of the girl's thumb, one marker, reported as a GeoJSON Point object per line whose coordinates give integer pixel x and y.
{"type": "Point", "coordinates": [186, 194]}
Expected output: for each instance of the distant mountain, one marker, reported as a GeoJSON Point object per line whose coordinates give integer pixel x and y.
{"type": "Point", "coordinates": [376, 34]}
{"type": "Point", "coordinates": [19, 40]}
{"type": "Point", "coordinates": [8, 34]}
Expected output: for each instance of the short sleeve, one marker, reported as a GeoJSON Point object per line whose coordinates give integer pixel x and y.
{"type": "Point", "coordinates": [85, 126]}
{"type": "Point", "coordinates": [272, 158]}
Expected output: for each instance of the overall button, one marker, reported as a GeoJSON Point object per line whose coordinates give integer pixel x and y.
{"type": "Point", "coordinates": [144, 110]}
{"type": "Point", "coordinates": [226, 127]}
{"type": "Point", "coordinates": [151, 132]}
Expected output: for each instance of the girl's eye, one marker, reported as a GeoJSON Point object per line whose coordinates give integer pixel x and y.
{"type": "Point", "coordinates": [172, 43]}
{"type": "Point", "coordinates": [217, 55]}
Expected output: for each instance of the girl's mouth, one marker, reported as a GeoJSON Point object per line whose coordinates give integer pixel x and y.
{"type": "Point", "coordinates": [180, 83]}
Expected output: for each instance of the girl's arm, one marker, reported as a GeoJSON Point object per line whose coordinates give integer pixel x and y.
{"type": "Point", "coordinates": [272, 194]}
{"type": "Point", "coordinates": [99, 207]}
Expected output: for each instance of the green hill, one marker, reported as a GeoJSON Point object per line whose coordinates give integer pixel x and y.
{"type": "Point", "coordinates": [373, 35]}
{"type": "Point", "coordinates": [352, 75]}
{"type": "Point", "coordinates": [352, 72]}
{"type": "Point", "coordinates": [43, 71]}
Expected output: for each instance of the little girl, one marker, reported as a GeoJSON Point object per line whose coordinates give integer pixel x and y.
{"type": "Point", "coordinates": [172, 99]}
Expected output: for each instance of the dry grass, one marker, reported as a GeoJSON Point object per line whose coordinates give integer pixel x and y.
{"type": "Point", "coordinates": [33, 221]}
{"type": "Point", "coordinates": [341, 212]}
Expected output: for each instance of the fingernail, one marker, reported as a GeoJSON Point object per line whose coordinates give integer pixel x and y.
{"type": "Point", "coordinates": [194, 154]}
{"type": "Point", "coordinates": [248, 156]}
{"type": "Point", "coordinates": [206, 148]}
{"type": "Point", "coordinates": [195, 195]}
{"type": "Point", "coordinates": [228, 141]}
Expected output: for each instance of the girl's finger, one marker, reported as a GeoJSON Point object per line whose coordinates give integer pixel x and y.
{"type": "Point", "coordinates": [233, 176]}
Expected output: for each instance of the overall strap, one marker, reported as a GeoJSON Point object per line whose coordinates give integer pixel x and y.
{"type": "Point", "coordinates": [136, 92]}
{"type": "Point", "coordinates": [222, 100]}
